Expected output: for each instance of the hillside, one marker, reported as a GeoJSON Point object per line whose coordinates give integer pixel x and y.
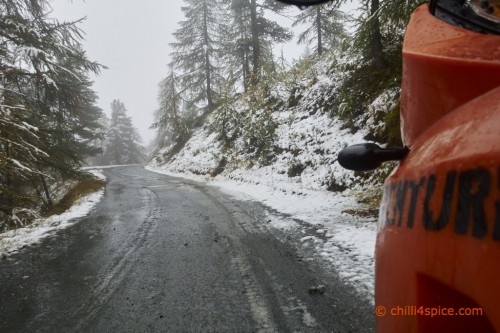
{"type": "Point", "coordinates": [283, 154]}
{"type": "Point", "coordinates": [292, 137]}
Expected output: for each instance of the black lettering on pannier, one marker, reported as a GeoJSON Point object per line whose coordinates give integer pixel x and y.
{"type": "Point", "coordinates": [444, 215]}
{"type": "Point", "coordinates": [473, 188]}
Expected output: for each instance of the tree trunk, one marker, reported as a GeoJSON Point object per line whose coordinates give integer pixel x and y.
{"type": "Point", "coordinates": [175, 116]}
{"type": "Point", "coordinates": [7, 154]}
{"type": "Point", "coordinates": [319, 26]}
{"type": "Point", "coordinates": [255, 42]}
{"type": "Point", "coordinates": [243, 45]}
{"type": "Point", "coordinates": [46, 191]}
{"type": "Point", "coordinates": [376, 37]}
{"type": "Point", "coordinates": [244, 69]}
{"type": "Point", "coordinates": [207, 56]}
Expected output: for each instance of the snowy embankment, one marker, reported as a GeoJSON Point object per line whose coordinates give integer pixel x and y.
{"type": "Point", "coordinates": [310, 143]}
{"type": "Point", "coordinates": [302, 180]}
{"type": "Point", "coordinates": [14, 240]}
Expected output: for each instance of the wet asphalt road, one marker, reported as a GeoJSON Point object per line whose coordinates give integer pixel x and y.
{"type": "Point", "coordinates": [161, 254]}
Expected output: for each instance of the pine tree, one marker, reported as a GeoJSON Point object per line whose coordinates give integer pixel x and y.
{"type": "Point", "coordinates": [46, 103]}
{"type": "Point", "coordinates": [227, 121]}
{"type": "Point", "coordinates": [237, 42]}
{"type": "Point", "coordinates": [381, 28]}
{"type": "Point", "coordinates": [123, 141]}
{"type": "Point", "coordinates": [169, 123]}
{"type": "Point", "coordinates": [252, 36]}
{"type": "Point", "coordinates": [99, 143]}
{"type": "Point", "coordinates": [195, 49]}
{"type": "Point", "coordinates": [324, 25]}
{"type": "Point", "coordinates": [376, 46]}
{"type": "Point", "coordinates": [265, 32]}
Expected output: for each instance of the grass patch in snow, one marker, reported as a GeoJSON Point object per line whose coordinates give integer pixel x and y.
{"type": "Point", "coordinates": [87, 185]}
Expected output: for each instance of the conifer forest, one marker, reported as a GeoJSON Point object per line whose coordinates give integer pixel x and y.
{"type": "Point", "coordinates": [226, 78]}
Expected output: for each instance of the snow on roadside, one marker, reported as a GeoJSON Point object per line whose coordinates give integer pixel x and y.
{"type": "Point", "coordinates": [300, 178]}
{"type": "Point", "coordinates": [100, 167]}
{"type": "Point", "coordinates": [14, 240]}
{"type": "Point", "coordinates": [350, 241]}
{"type": "Point", "coordinates": [344, 241]}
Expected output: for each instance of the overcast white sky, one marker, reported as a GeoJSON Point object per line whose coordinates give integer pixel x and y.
{"type": "Point", "coordinates": [131, 38]}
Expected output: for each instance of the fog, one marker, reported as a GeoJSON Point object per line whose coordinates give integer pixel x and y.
{"type": "Point", "coordinates": [132, 39]}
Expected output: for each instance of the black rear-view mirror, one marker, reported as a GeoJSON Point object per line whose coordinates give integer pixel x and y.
{"type": "Point", "coordinates": [304, 3]}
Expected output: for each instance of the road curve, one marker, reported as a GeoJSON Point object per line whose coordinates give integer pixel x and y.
{"type": "Point", "coordinates": [162, 254]}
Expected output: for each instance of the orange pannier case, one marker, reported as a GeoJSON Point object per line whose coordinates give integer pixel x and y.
{"type": "Point", "coordinates": [438, 243]}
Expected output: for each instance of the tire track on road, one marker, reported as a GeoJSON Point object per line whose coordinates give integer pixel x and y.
{"type": "Point", "coordinates": [113, 274]}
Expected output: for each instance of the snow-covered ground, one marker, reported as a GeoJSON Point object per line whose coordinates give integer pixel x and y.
{"type": "Point", "coordinates": [13, 240]}
{"type": "Point", "coordinates": [344, 241]}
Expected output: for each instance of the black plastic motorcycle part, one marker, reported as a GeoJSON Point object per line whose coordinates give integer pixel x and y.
{"type": "Point", "coordinates": [460, 13]}
{"type": "Point", "coordinates": [304, 3]}
{"type": "Point", "coordinates": [368, 156]}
